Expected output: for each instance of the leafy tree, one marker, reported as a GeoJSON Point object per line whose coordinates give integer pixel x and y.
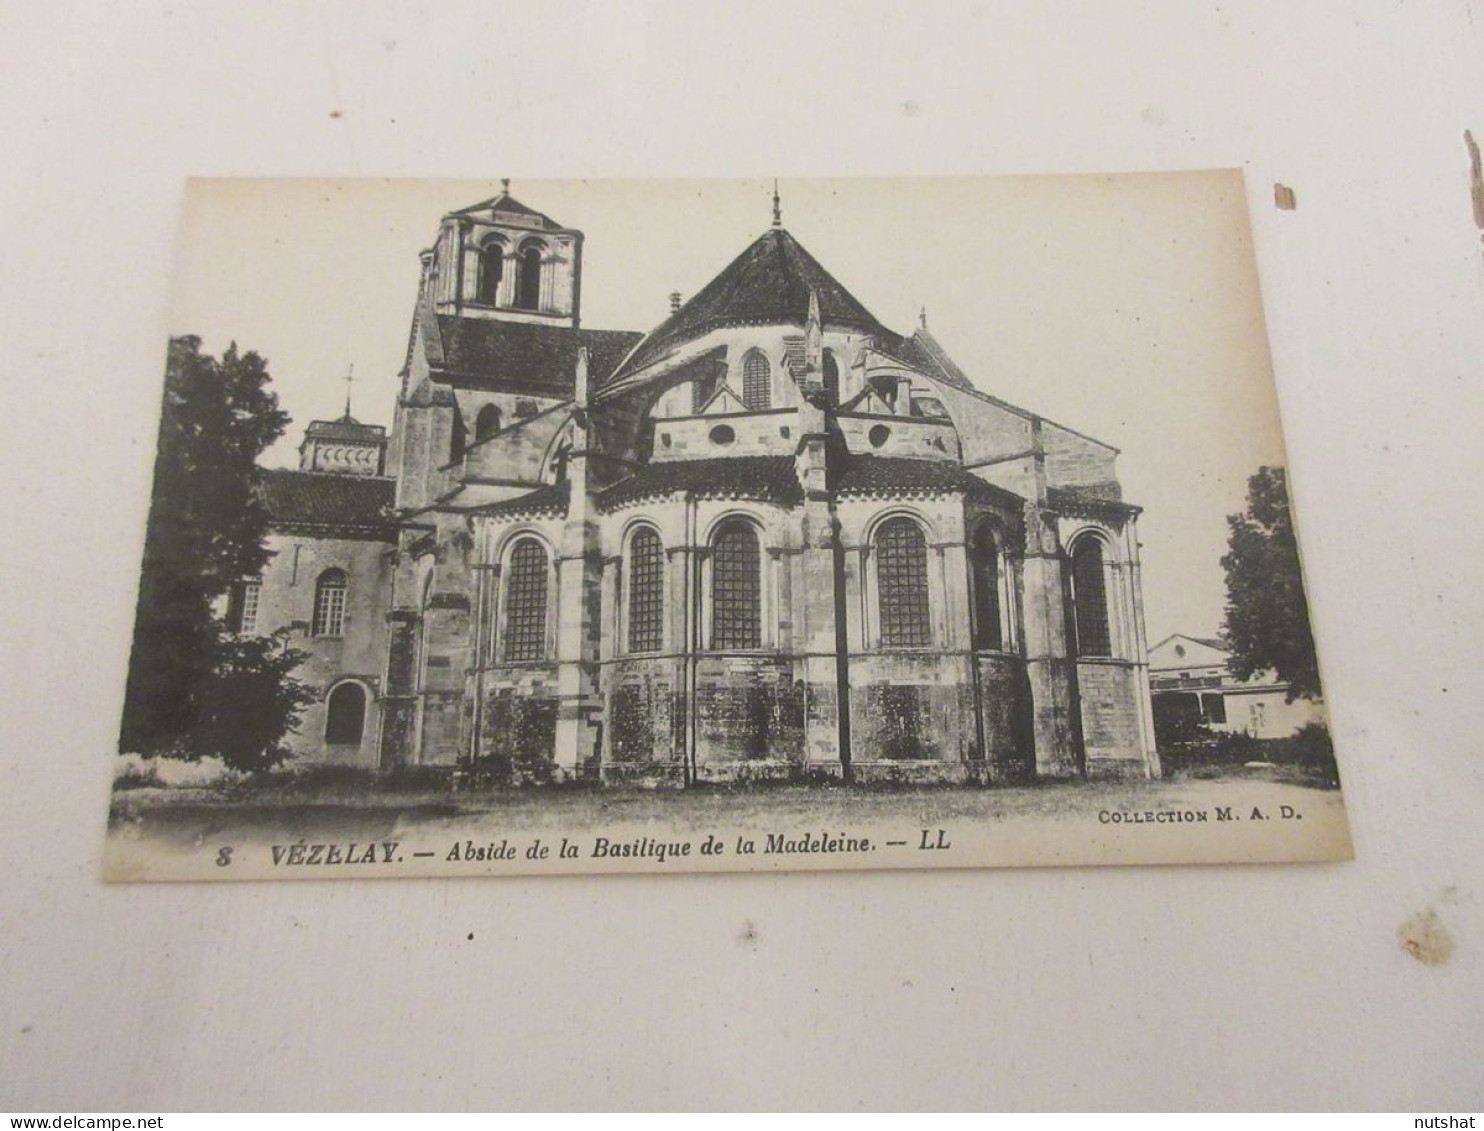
{"type": "Point", "coordinates": [249, 704]}
{"type": "Point", "coordinates": [206, 531]}
{"type": "Point", "coordinates": [1267, 614]}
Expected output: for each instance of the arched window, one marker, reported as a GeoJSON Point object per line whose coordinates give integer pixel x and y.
{"type": "Point", "coordinates": [491, 271]}
{"type": "Point", "coordinates": [528, 280]}
{"type": "Point", "coordinates": [487, 423]}
{"type": "Point", "coordinates": [736, 588]}
{"type": "Point", "coordinates": [345, 715]}
{"type": "Point", "coordinates": [646, 591]}
{"type": "Point", "coordinates": [525, 603]}
{"type": "Point", "coordinates": [757, 380]}
{"type": "Point", "coordinates": [1090, 599]}
{"type": "Point", "coordinates": [902, 584]}
{"type": "Point", "coordinates": [329, 603]}
{"type": "Point", "coordinates": [984, 577]}
{"type": "Point", "coordinates": [831, 378]}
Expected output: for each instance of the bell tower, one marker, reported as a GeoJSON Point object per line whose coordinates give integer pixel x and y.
{"type": "Point", "coordinates": [501, 260]}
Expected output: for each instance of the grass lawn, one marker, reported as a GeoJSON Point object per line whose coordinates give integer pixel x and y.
{"type": "Point", "coordinates": [286, 806]}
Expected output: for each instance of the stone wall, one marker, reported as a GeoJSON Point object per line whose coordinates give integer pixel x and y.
{"type": "Point", "coordinates": [286, 601]}
{"type": "Point", "coordinates": [518, 727]}
{"type": "Point", "coordinates": [1005, 714]}
{"type": "Point", "coordinates": [1109, 698]}
{"type": "Point", "coordinates": [519, 450]}
{"type": "Point", "coordinates": [1073, 460]}
{"type": "Point", "coordinates": [645, 735]}
{"type": "Point", "coordinates": [748, 709]}
{"type": "Point", "coordinates": [912, 717]}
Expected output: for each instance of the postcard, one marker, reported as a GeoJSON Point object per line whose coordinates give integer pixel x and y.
{"type": "Point", "coordinates": [545, 527]}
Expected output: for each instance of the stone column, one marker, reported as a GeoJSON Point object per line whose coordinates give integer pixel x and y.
{"type": "Point", "coordinates": [486, 587]}
{"type": "Point", "coordinates": [1141, 651]}
{"type": "Point", "coordinates": [579, 602]}
{"type": "Point", "coordinates": [1051, 671]}
{"type": "Point", "coordinates": [820, 613]}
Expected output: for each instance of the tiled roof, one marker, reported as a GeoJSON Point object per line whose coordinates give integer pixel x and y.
{"type": "Point", "coordinates": [773, 478]}
{"type": "Point", "coordinates": [770, 478]}
{"type": "Point", "coordinates": [549, 499]}
{"type": "Point", "coordinates": [1097, 496]}
{"type": "Point", "coordinates": [346, 428]}
{"type": "Point", "coordinates": [542, 355]}
{"type": "Point", "coordinates": [889, 475]}
{"type": "Point", "coordinates": [357, 504]}
{"type": "Point", "coordinates": [507, 203]}
{"type": "Point", "coordinates": [922, 352]}
{"type": "Point", "coordinates": [768, 284]}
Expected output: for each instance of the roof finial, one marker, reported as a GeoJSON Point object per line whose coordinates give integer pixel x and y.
{"type": "Point", "coordinates": [777, 207]}
{"type": "Point", "coordinates": [505, 185]}
{"type": "Point", "coordinates": [349, 379]}
{"type": "Point", "coordinates": [922, 317]}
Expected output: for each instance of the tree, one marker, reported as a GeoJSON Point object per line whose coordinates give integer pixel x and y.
{"type": "Point", "coordinates": [205, 533]}
{"type": "Point", "coordinates": [1267, 614]}
{"type": "Point", "coordinates": [249, 702]}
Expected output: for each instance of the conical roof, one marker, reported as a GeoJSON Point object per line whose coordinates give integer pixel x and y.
{"type": "Point", "coordinates": [768, 284]}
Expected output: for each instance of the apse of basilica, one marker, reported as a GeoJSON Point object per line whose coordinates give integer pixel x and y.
{"type": "Point", "coordinates": [770, 538]}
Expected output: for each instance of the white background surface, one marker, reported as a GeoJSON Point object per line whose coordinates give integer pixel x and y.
{"type": "Point", "coordinates": [1153, 988]}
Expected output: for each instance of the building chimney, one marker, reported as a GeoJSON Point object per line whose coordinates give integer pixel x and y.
{"type": "Point", "coordinates": [674, 301]}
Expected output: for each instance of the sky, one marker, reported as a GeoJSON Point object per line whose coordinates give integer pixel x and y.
{"type": "Point", "coordinates": [1123, 306]}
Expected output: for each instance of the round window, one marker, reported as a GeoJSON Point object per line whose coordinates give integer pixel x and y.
{"type": "Point", "coordinates": [879, 435]}
{"type": "Point", "coordinates": [722, 435]}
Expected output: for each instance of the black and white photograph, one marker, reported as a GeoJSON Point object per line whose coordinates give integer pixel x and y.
{"type": "Point", "coordinates": [829, 557]}
{"type": "Point", "coordinates": [757, 524]}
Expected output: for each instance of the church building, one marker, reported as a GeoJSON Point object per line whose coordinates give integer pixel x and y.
{"type": "Point", "coordinates": [768, 539]}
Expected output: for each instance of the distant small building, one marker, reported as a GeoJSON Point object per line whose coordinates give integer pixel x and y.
{"type": "Point", "coordinates": [1191, 675]}
{"type": "Point", "coordinates": [332, 539]}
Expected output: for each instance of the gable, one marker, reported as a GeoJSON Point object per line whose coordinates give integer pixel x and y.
{"type": "Point", "coordinates": [723, 402]}
{"type": "Point", "coordinates": [1182, 651]}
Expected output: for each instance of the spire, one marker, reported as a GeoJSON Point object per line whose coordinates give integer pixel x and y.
{"type": "Point", "coordinates": [579, 379]}
{"type": "Point", "coordinates": [814, 341]}
{"type": "Point", "coordinates": [777, 207]}
{"type": "Point", "coordinates": [349, 379]}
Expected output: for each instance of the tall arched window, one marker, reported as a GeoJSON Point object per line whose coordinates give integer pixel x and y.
{"type": "Point", "coordinates": [491, 271]}
{"type": "Point", "coordinates": [345, 715]}
{"type": "Point", "coordinates": [736, 587]}
{"type": "Point", "coordinates": [525, 603]}
{"type": "Point", "coordinates": [646, 591]}
{"type": "Point", "coordinates": [902, 584]}
{"type": "Point", "coordinates": [1090, 599]}
{"type": "Point", "coordinates": [329, 603]}
{"type": "Point", "coordinates": [831, 378]}
{"type": "Point", "coordinates": [757, 380]}
{"type": "Point", "coordinates": [528, 280]}
{"type": "Point", "coordinates": [487, 423]}
{"type": "Point", "coordinates": [984, 577]}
